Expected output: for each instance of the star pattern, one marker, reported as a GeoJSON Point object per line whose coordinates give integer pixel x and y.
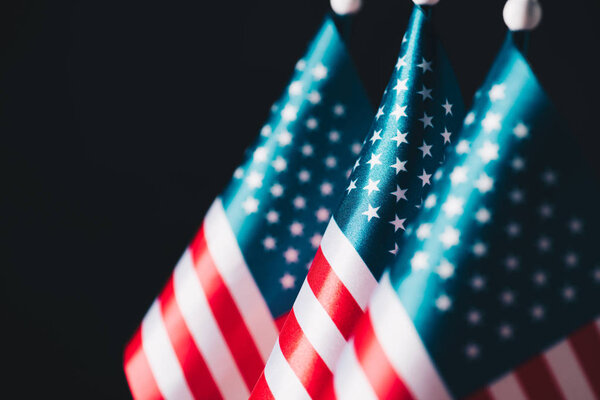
{"type": "Point", "coordinates": [281, 198]}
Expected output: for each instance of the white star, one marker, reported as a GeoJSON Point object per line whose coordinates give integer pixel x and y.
{"type": "Point", "coordinates": [431, 201]}
{"type": "Point", "coordinates": [295, 88]}
{"type": "Point", "coordinates": [315, 240]}
{"type": "Point", "coordinates": [254, 180]}
{"type": "Point", "coordinates": [540, 278]}
{"type": "Point", "coordinates": [371, 212]}
{"type": "Point", "coordinates": [326, 189]}
{"type": "Point", "coordinates": [426, 149]}
{"type": "Point", "coordinates": [516, 196]}
{"type": "Point", "coordinates": [571, 259]}
{"type": "Point", "coordinates": [279, 164]}
{"type": "Point", "coordinates": [299, 202]}
{"type": "Point", "coordinates": [284, 138]}
{"type": "Point", "coordinates": [300, 65]}
{"type": "Point", "coordinates": [446, 135]}
{"type": "Point", "coordinates": [497, 92]}
{"type": "Point", "coordinates": [453, 206]}
{"type": "Point", "coordinates": [379, 112]}
{"type": "Point", "coordinates": [569, 293]}
{"type": "Point", "coordinates": [319, 72]}
{"type": "Point", "coordinates": [334, 136]}
{"type": "Point", "coordinates": [376, 136]}
{"type": "Point", "coordinates": [269, 243]}
{"type": "Point", "coordinates": [356, 147]}
{"type": "Point", "coordinates": [400, 63]}
{"type": "Point", "coordinates": [425, 93]}
{"type": "Point", "coordinates": [304, 176]}
{"type": "Point", "coordinates": [291, 255]}
{"type": "Point", "coordinates": [426, 120]}
{"type": "Point", "coordinates": [287, 281]}
{"type": "Point", "coordinates": [507, 297]}
{"type": "Point", "coordinates": [513, 229]}
{"type": "Point", "coordinates": [419, 261]}
{"type": "Point", "coordinates": [521, 131]}
{"type": "Point", "coordinates": [505, 331]}
{"type": "Point", "coordinates": [424, 231]}
{"type": "Point", "coordinates": [401, 85]}
{"type": "Point", "coordinates": [479, 249]}
{"type": "Point", "coordinates": [491, 122]}
{"type": "Point", "coordinates": [517, 163]}
{"type": "Point", "coordinates": [425, 65]}
{"type": "Point", "coordinates": [273, 217]}
{"type": "Point", "coordinates": [398, 223]}
{"type": "Point", "coordinates": [399, 112]}
{"type": "Point", "coordinates": [394, 251]}
{"type": "Point", "coordinates": [276, 190]}
{"type": "Point", "coordinates": [399, 165]}
{"type": "Point", "coordinates": [399, 193]}
{"type": "Point", "coordinates": [549, 177]}
{"type": "Point", "coordinates": [447, 107]}
{"type": "Point", "coordinates": [250, 205]}
{"type": "Point", "coordinates": [260, 154]}
{"type": "Point", "coordinates": [314, 97]}
{"type": "Point", "coordinates": [356, 164]}
{"type": "Point", "coordinates": [546, 211]}
{"type": "Point", "coordinates": [463, 147]}
{"type": "Point", "coordinates": [238, 173]}
{"type": "Point", "coordinates": [371, 186]}
{"type": "Point", "coordinates": [307, 150]}
{"type": "Point", "coordinates": [470, 118]}
{"type": "Point", "coordinates": [330, 162]}
{"type": "Point", "coordinates": [472, 351]}
{"type": "Point", "coordinates": [450, 237]}
{"type": "Point", "coordinates": [400, 138]}
{"type": "Point", "coordinates": [544, 244]}
{"type": "Point", "coordinates": [351, 186]}
{"type": "Point", "coordinates": [296, 229]}
{"type": "Point", "coordinates": [483, 215]}
{"type": "Point", "coordinates": [537, 312]}
{"type": "Point", "coordinates": [322, 214]}
{"type": "Point", "coordinates": [374, 160]}
{"type": "Point", "coordinates": [339, 110]}
{"type": "Point", "coordinates": [458, 175]}
{"type": "Point", "coordinates": [474, 317]}
{"type": "Point", "coordinates": [425, 178]}
{"type": "Point", "coordinates": [484, 183]}
{"type": "Point", "coordinates": [488, 152]}
{"type": "Point", "coordinates": [445, 270]}
{"type": "Point", "coordinates": [289, 113]}
{"type": "Point", "coordinates": [575, 225]}
{"type": "Point", "coordinates": [312, 123]}
{"type": "Point", "coordinates": [443, 303]}
{"type": "Point", "coordinates": [478, 282]}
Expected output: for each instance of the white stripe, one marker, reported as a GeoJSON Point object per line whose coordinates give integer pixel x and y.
{"type": "Point", "coordinates": [568, 373]}
{"type": "Point", "coordinates": [199, 319]}
{"type": "Point", "coordinates": [162, 358]}
{"type": "Point", "coordinates": [403, 346]}
{"type": "Point", "coordinates": [281, 379]}
{"type": "Point", "coordinates": [347, 264]}
{"type": "Point", "coordinates": [228, 258]}
{"type": "Point", "coordinates": [349, 381]}
{"type": "Point", "coordinates": [507, 388]}
{"type": "Point", "coordinates": [318, 327]}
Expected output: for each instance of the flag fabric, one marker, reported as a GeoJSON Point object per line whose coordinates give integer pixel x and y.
{"type": "Point", "coordinates": [419, 115]}
{"type": "Point", "coordinates": [210, 331]}
{"type": "Point", "coordinates": [496, 292]}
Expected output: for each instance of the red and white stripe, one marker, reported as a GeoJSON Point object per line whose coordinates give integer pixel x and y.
{"type": "Point", "coordinates": [209, 333]}
{"type": "Point", "coordinates": [386, 359]}
{"type": "Point", "coordinates": [331, 301]}
{"type": "Point", "coordinates": [568, 370]}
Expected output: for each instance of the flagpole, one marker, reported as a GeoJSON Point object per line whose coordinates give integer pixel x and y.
{"type": "Point", "coordinates": [344, 11]}
{"type": "Point", "coordinates": [521, 17]}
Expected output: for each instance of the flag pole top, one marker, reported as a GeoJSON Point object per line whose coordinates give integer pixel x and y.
{"type": "Point", "coordinates": [426, 2]}
{"type": "Point", "coordinates": [345, 7]}
{"type": "Point", "coordinates": [522, 15]}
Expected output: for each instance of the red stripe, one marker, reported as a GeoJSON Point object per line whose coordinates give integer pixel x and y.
{"type": "Point", "coordinates": [306, 363]}
{"type": "Point", "coordinates": [586, 343]}
{"type": "Point", "coordinates": [223, 307]}
{"type": "Point", "coordinates": [192, 363]}
{"type": "Point", "coordinates": [376, 365]}
{"type": "Point", "coordinates": [279, 321]}
{"type": "Point", "coordinates": [261, 389]}
{"type": "Point", "coordinates": [333, 295]}
{"type": "Point", "coordinates": [537, 381]}
{"type": "Point", "coordinates": [137, 370]}
{"type": "Point", "coordinates": [483, 394]}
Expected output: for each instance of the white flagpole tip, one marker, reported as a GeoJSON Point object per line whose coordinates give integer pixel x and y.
{"type": "Point", "coordinates": [426, 2]}
{"type": "Point", "coordinates": [522, 15]}
{"type": "Point", "coordinates": [346, 7]}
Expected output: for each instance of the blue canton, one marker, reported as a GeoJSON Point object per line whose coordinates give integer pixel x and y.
{"type": "Point", "coordinates": [282, 196]}
{"type": "Point", "coordinates": [419, 116]}
{"type": "Point", "coordinates": [502, 261]}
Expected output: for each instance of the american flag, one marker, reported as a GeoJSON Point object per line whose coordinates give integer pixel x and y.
{"type": "Point", "coordinates": [496, 292]}
{"type": "Point", "coordinates": [418, 118]}
{"type": "Point", "coordinates": [210, 331]}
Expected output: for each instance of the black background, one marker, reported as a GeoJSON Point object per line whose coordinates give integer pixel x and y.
{"type": "Point", "coordinates": [121, 120]}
